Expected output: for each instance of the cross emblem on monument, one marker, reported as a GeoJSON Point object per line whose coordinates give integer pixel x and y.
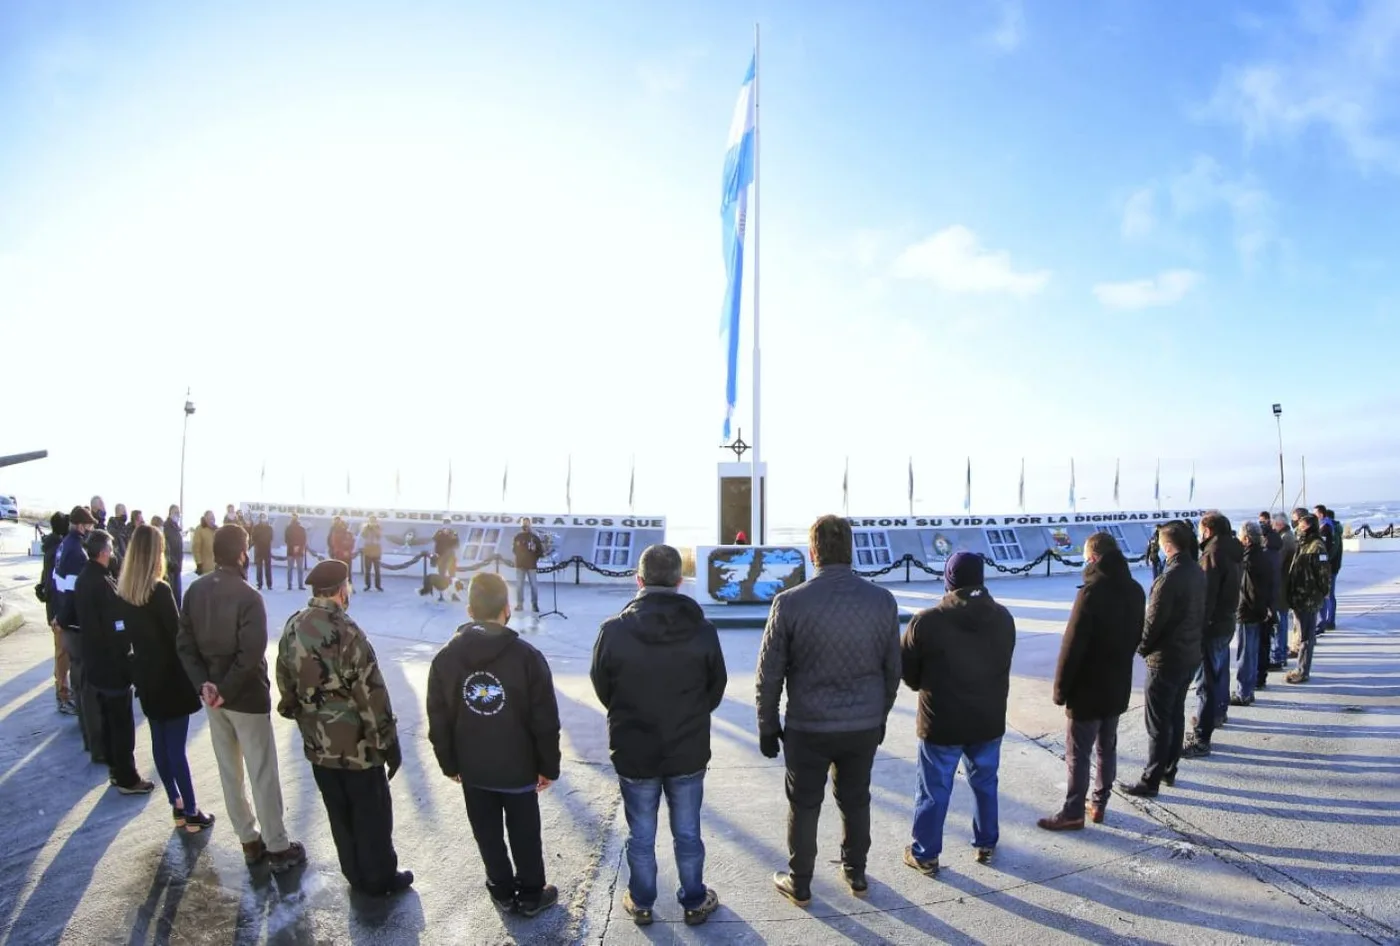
{"type": "Point", "coordinates": [738, 446]}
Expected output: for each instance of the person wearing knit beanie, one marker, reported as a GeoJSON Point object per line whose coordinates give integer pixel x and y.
{"type": "Point", "coordinates": [957, 655]}
{"type": "Point", "coordinates": [964, 570]}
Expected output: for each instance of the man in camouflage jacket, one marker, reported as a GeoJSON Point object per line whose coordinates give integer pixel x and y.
{"type": "Point", "coordinates": [330, 683]}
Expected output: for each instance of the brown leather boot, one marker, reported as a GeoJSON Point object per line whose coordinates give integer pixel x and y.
{"type": "Point", "coordinates": [254, 851]}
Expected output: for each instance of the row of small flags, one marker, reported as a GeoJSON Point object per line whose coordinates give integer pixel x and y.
{"type": "Point", "coordinates": [505, 485]}
{"type": "Point", "coordinates": [1020, 489]}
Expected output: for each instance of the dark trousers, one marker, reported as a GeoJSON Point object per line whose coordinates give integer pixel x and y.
{"type": "Point", "coordinates": [494, 816]}
{"type": "Point", "coordinates": [368, 564]}
{"type": "Point", "coordinates": [84, 697]}
{"type": "Point", "coordinates": [1083, 738]}
{"type": "Point", "coordinates": [118, 735]}
{"type": "Point", "coordinates": [172, 575]}
{"type": "Point", "coordinates": [808, 757]}
{"type": "Point", "coordinates": [1165, 693]}
{"type": "Point", "coordinates": [361, 814]}
{"type": "Point", "coordinates": [262, 564]}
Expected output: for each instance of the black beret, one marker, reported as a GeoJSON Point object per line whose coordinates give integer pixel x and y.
{"type": "Point", "coordinates": [332, 573]}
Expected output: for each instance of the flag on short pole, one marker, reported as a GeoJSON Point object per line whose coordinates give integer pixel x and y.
{"type": "Point", "coordinates": [1191, 498]}
{"type": "Point", "coordinates": [1157, 486]}
{"type": "Point", "coordinates": [911, 486]}
{"type": "Point", "coordinates": [632, 488]}
{"type": "Point", "coordinates": [967, 488]}
{"type": "Point", "coordinates": [449, 484]}
{"type": "Point", "coordinates": [1117, 468]}
{"type": "Point", "coordinates": [846, 489]}
{"type": "Point", "coordinates": [569, 487]}
{"type": "Point", "coordinates": [1073, 506]}
{"type": "Point", "coordinates": [1020, 490]}
{"type": "Point", "coordinates": [262, 480]}
{"type": "Point", "coordinates": [505, 477]}
{"type": "Point", "coordinates": [733, 211]}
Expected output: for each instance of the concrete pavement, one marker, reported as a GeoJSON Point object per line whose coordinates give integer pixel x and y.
{"type": "Point", "coordinates": [1289, 833]}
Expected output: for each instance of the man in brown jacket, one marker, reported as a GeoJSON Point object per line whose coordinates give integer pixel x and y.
{"type": "Point", "coordinates": [223, 645]}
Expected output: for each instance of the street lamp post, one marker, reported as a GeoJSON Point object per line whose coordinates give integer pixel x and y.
{"type": "Point", "coordinates": [189, 409]}
{"type": "Point", "coordinates": [1282, 495]}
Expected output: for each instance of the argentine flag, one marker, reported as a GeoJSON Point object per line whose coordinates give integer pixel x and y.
{"type": "Point", "coordinates": [733, 212]}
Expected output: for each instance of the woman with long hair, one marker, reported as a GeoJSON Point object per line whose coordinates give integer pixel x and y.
{"type": "Point", "coordinates": [168, 699]}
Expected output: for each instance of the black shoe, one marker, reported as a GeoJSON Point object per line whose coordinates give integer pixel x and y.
{"type": "Point", "coordinates": [547, 898]}
{"type": "Point", "coordinates": [1140, 790]}
{"type": "Point", "coordinates": [197, 822]}
{"type": "Point", "coordinates": [1238, 700]}
{"type": "Point", "coordinates": [1278, 665]}
{"type": "Point", "coordinates": [1198, 749]}
{"type": "Point", "coordinates": [1169, 778]}
{"type": "Point", "coordinates": [505, 906]}
{"type": "Point", "coordinates": [702, 913]}
{"type": "Point", "coordinates": [855, 880]}
{"type": "Point", "coordinates": [138, 787]}
{"type": "Point", "coordinates": [799, 895]}
{"type": "Point", "coordinates": [401, 881]}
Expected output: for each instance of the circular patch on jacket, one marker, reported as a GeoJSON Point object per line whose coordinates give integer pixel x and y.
{"type": "Point", "coordinates": [483, 693]}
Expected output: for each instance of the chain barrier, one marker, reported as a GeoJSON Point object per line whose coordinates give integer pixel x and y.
{"type": "Point", "coordinates": [1023, 569]}
{"type": "Point", "coordinates": [577, 560]}
{"type": "Point", "coordinates": [1366, 532]}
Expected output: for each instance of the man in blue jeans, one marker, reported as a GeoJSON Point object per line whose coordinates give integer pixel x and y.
{"type": "Point", "coordinates": [1278, 656]}
{"type": "Point", "coordinates": [659, 671]}
{"type": "Point", "coordinates": [1221, 557]}
{"type": "Point", "coordinates": [957, 654]}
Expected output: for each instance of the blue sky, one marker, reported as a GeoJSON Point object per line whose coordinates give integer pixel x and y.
{"type": "Point", "coordinates": [991, 229]}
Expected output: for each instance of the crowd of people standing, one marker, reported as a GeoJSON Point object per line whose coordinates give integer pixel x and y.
{"type": "Point", "coordinates": [830, 665]}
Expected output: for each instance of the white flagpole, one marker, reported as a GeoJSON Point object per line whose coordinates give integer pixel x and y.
{"type": "Point", "coordinates": [756, 536]}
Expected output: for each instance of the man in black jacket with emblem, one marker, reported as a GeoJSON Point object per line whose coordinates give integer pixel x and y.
{"type": "Point", "coordinates": [1094, 676]}
{"type": "Point", "coordinates": [493, 721]}
{"type": "Point", "coordinates": [659, 671]}
{"type": "Point", "coordinates": [1171, 642]}
{"type": "Point", "coordinates": [833, 642]}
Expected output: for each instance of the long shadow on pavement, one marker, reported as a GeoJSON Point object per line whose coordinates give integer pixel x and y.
{"type": "Point", "coordinates": [65, 881]}
{"type": "Point", "coordinates": [23, 682]}
{"type": "Point", "coordinates": [155, 917]}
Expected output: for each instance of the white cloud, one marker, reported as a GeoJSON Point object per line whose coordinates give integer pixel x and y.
{"type": "Point", "coordinates": [1167, 288]}
{"type": "Point", "coordinates": [1203, 189]}
{"type": "Point", "coordinates": [1140, 213]}
{"type": "Point", "coordinates": [1330, 73]}
{"type": "Point", "coordinates": [1011, 26]}
{"type": "Point", "coordinates": [954, 261]}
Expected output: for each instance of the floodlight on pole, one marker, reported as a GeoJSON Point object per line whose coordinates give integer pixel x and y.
{"type": "Point", "coordinates": [184, 437]}
{"type": "Point", "coordinates": [1282, 493]}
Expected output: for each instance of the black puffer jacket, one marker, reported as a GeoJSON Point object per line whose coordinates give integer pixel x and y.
{"type": "Point", "coordinates": [1257, 590]}
{"type": "Point", "coordinates": [957, 654]}
{"type": "Point", "coordinates": [1094, 677]}
{"type": "Point", "coordinates": [1221, 558]}
{"type": "Point", "coordinates": [659, 671]}
{"type": "Point", "coordinates": [1171, 634]}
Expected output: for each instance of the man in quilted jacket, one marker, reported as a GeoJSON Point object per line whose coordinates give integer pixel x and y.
{"type": "Point", "coordinates": [833, 641]}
